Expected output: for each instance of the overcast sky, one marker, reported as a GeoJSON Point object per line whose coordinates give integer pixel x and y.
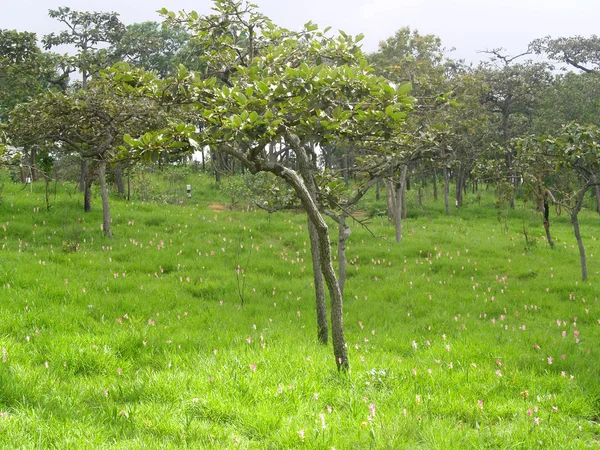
{"type": "Point", "coordinates": [466, 25]}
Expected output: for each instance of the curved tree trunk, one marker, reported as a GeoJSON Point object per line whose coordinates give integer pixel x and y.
{"type": "Point", "coordinates": [337, 320]}
{"type": "Point", "coordinates": [104, 195]}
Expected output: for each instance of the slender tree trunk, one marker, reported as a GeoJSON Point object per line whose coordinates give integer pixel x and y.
{"type": "Point", "coordinates": [447, 190]}
{"type": "Point", "coordinates": [119, 179]}
{"type": "Point", "coordinates": [87, 189]}
{"type": "Point", "coordinates": [460, 184]}
{"type": "Point", "coordinates": [47, 181]}
{"type": "Point", "coordinates": [310, 206]}
{"type": "Point", "coordinates": [337, 319]}
{"type": "Point", "coordinates": [82, 174]}
{"type": "Point", "coordinates": [389, 197]}
{"type": "Point", "coordinates": [597, 191]}
{"type": "Point", "coordinates": [343, 235]}
{"type": "Point", "coordinates": [398, 211]}
{"type": "Point", "coordinates": [104, 195]}
{"type": "Point", "coordinates": [435, 187]}
{"type": "Point", "coordinates": [129, 185]}
{"type": "Point", "coordinates": [377, 188]}
{"type": "Point", "coordinates": [582, 258]}
{"type": "Point", "coordinates": [321, 303]}
{"type": "Point", "coordinates": [546, 222]}
{"type": "Point", "coordinates": [34, 168]}
{"type": "Point", "coordinates": [404, 186]}
{"type": "Point", "coordinates": [544, 207]}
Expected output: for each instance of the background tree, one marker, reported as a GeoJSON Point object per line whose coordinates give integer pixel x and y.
{"type": "Point", "coordinates": [577, 51]}
{"type": "Point", "coordinates": [89, 122]}
{"type": "Point", "coordinates": [513, 91]}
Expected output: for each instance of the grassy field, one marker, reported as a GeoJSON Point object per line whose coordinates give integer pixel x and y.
{"type": "Point", "coordinates": [463, 336]}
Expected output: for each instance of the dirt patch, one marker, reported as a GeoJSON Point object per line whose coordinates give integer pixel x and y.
{"type": "Point", "coordinates": [217, 207]}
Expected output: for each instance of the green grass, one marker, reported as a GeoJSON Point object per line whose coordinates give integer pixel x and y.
{"type": "Point", "coordinates": [141, 341]}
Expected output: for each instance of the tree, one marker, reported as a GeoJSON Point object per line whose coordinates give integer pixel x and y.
{"type": "Point", "coordinates": [268, 84]}
{"type": "Point", "coordinates": [87, 32]}
{"type": "Point", "coordinates": [417, 62]}
{"type": "Point", "coordinates": [575, 155]}
{"type": "Point", "coordinates": [151, 46]}
{"type": "Point", "coordinates": [24, 70]}
{"type": "Point", "coordinates": [513, 90]}
{"type": "Point", "coordinates": [90, 122]}
{"type": "Point", "coordinates": [577, 51]}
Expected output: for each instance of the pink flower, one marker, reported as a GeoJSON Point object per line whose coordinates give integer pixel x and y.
{"type": "Point", "coordinates": [252, 367]}
{"type": "Point", "coordinates": [549, 359]}
{"type": "Point", "coordinates": [301, 434]}
{"type": "Point", "coordinates": [499, 373]}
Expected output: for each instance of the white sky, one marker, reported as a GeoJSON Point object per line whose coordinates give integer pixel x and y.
{"type": "Point", "coordinates": [466, 25]}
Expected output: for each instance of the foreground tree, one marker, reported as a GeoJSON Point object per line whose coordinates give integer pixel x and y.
{"type": "Point", "coordinates": [268, 84]}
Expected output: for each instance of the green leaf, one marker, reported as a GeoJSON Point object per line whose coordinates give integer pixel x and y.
{"type": "Point", "coordinates": [405, 88]}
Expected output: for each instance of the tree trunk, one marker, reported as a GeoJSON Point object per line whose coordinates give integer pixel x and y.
{"type": "Point", "coordinates": [343, 235]}
{"type": "Point", "coordinates": [546, 222]}
{"type": "Point", "coordinates": [447, 190]}
{"type": "Point", "coordinates": [337, 320]}
{"type": "Point", "coordinates": [398, 211]}
{"type": "Point", "coordinates": [389, 197]}
{"type": "Point", "coordinates": [104, 195]}
{"type": "Point", "coordinates": [377, 188]}
{"type": "Point", "coordinates": [47, 180]}
{"type": "Point", "coordinates": [82, 174]}
{"type": "Point", "coordinates": [460, 184]}
{"type": "Point", "coordinates": [435, 189]}
{"type": "Point", "coordinates": [34, 168]}
{"type": "Point", "coordinates": [119, 179]}
{"type": "Point", "coordinates": [311, 208]}
{"type": "Point", "coordinates": [404, 187]}
{"type": "Point", "coordinates": [87, 189]}
{"type": "Point", "coordinates": [129, 185]}
{"type": "Point", "coordinates": [582, 258]}
{"type": "Point", "coordinates": [321, 303]}
{"type": "Point", "coordinates": [597, 190]}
